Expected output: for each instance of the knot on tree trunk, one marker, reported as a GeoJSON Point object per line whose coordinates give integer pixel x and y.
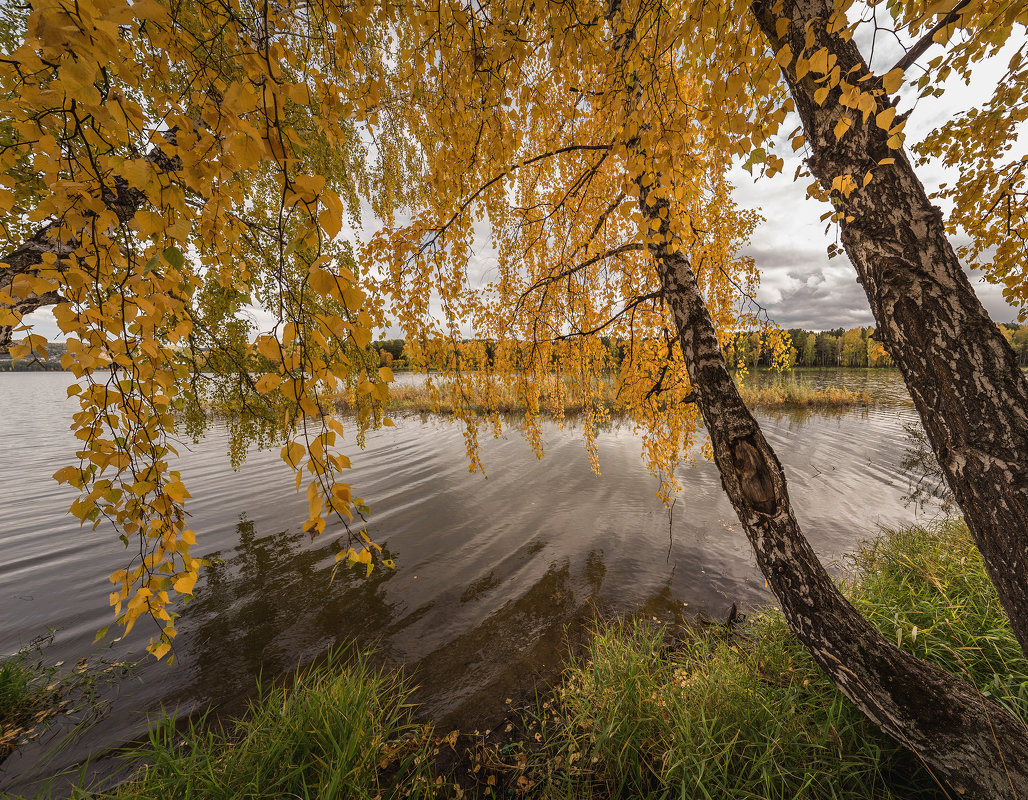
{"type": "Point", "coordinates": [754, 477]}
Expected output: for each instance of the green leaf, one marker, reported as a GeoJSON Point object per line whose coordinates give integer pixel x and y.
{"type": "Point", "coordinates": [174, 257]}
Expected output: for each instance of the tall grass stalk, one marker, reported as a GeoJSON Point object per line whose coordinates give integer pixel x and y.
{"type": "Point", "coordinates": [341, 731]}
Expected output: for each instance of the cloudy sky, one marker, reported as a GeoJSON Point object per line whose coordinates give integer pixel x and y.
{"type": "Point", "coordinates": [800, 287]}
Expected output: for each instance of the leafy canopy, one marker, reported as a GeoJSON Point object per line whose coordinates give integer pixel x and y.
{"type": "Point", "coordinates": [176, 178]}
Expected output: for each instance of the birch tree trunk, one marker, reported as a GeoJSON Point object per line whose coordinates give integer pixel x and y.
{"type": "Point", "coordinates": [961, 373]}
{"type": "Point", "coordinates": [967, 740]}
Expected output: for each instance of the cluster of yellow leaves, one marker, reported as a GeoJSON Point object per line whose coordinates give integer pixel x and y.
{"type": "Point", "coordinates": [538, 142]}
{"type": "Point", "coordinates": [187, 161]}
{"type": "Point", "coordinates": [179, 163]}
{"type": "Point", "coordinates": [990, 198]}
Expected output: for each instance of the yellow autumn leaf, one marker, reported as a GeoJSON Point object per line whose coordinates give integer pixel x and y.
{"type": "Point", "coordinates": [159, 650]}
{"type": "Point", "coordinates": [884, 119]}
{"type": "Point", "coordinates": [268, 383]}
{"type": "Point", "coordinates": [184, 583]}
{"type": "Point", "coordinates": [292, 454]}
{"type": "Point", "coordinates": [892, 80]}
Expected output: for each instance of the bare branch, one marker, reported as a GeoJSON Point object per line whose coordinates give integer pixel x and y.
{"type": "Point", "coordinates": [926, 41]}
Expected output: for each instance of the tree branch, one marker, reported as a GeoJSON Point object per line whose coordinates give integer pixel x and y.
{"type": "Point", "coordinates": [123, 199]}
{"type": "Point", "coordinates": [926, 41]}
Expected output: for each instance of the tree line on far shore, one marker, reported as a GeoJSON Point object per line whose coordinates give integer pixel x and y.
{"type": "Point", "coordinates": [838, 347]}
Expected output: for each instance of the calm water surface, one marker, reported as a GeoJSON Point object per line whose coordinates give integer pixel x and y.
{"type": "Point", "coordinates": [491, 570]}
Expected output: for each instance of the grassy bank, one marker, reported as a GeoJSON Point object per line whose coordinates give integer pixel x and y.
{"type": "Point", "coordinates": [646, 711]}
{"type": "Point", "coordinates": [751, 716]}
{"type": "Point", "coordinates": [342, 730]}
{"type": "Point", "coordinates": [420, 399]}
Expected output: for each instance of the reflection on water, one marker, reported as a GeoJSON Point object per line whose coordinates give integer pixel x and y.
{"type": "Point", "coordinates": [492, 575]}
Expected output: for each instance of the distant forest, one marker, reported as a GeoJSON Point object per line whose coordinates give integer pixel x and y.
{"type": "Point", "coordinates": [838, 347]}
{"type": "Point", "coordinates": [856, 347]}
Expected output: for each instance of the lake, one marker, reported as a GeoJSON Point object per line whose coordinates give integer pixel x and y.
{"type": "Point", "coordinates": [491, 571]}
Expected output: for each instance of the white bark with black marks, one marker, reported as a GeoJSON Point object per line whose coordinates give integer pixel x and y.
{"type": "Point", "coordinates": [967, 740]}
{"type": "Point", "coordinates": [961, 372]}
{"type": "Point", "coordinates": [53, 239]}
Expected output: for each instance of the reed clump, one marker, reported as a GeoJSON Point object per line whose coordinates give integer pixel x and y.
{"type": "Point", "coordinates": [35, 692]}
{"type": "Point", "coordinates": [794, 395]}
{"type": "Point", "coordinates": [420, 398]}
{"type": "Point", "coordinates": [342, 730]}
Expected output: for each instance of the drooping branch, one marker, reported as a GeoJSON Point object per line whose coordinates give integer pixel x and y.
{"type": "Point", "coordinates": [52, 239]}
{"type": "Point", "coordinates": [440, 231]}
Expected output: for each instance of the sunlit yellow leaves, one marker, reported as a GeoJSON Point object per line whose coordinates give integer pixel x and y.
{"type": "Point", "coordinates": [323, 282]}
{"type": "Point", "coordinates": [184, 582]}
{"type": "Point", "coordinates": [160, 650]}
{"type": "Point", "coordinates": [821, 61]}
{"type": "Point", "coordinates": [269, 347]}
{"type": "Point", "coordinates": [784, 56]}
{"type": "Point", "coordinates": [836, 23]}
{"type": "Point", "coordinates": [892, 80]}
{"type": "Point", "coordinates": [209, 187]}
{"type": "Point", "coordinates": [844, 184]}
{"type": "Point", "coordinates": [354, 557]}
{"type": "Point", "coordinates": [176, 490]}
{"type": "Point", "coordinates": [268, 383]}
{"type": "Point", "coordinates": [292, 454]}
{"type": "Point", "coordinates": [884, 119]}
{"type": "Point", "coordinates": [331, 217]}
{"type": "Point", "coordinates": [316, 505]}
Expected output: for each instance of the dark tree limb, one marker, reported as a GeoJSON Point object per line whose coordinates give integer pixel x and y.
{"type": "Point", "coordinates": [921, 46]}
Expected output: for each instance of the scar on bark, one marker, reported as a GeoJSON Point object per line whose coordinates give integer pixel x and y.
{"type": "Point", "coordinates": [754, 479]}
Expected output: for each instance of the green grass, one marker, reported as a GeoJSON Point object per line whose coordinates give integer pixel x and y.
{"type": "Point", "coordinates": [35, 692]}
{"type": "Point", "coordinates": [929, 592]}
{"type": "Point", "coordinates": [751, 716]}
{"type": "Point", "coordinates": [738, 714]}
{"type": "Point", "coordinates": [29, 695]}
{"type": "Point", "coordinates": [711, 717]}
{"type": "Point", "coordinates": [14, 687]}
{"type": "Point", "coordinates": [341, 731]}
